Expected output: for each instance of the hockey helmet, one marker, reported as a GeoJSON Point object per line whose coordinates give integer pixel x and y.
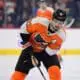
{"type": "Point", "coordinates": [59, 15]}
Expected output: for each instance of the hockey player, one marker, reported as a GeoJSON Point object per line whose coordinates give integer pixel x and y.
{"type": "Point", "coordinates": [44, 41]}
{"type": "Point", "coordinates": [44, 10]}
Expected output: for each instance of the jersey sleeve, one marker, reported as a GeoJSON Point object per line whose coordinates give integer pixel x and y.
{"type": "Point", "coordinates": [57, 40]}
{"type": "Point", "coordinates": [32, 28]}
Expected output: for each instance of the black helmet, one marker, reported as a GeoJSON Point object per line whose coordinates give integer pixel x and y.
{"type": "Point", "coordinates": [59, 15]}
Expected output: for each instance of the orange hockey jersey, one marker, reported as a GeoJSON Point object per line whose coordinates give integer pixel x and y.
{"type": "Point", "coordinates": [54, 40]}
{"type": "Point", "coordinates": [47, 13]}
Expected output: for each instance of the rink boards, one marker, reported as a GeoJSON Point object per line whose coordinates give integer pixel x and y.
{"type": "Point", "coordinates": [10, 42]}
{"type": "Point", "coordinates": [18, 51]}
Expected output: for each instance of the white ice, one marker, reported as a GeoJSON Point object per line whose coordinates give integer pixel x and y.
{"type": "Point", "coordinates": [70, 68]}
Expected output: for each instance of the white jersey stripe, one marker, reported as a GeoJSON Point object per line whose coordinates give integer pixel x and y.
{"type": "Point", "coordinates": [41, 20]}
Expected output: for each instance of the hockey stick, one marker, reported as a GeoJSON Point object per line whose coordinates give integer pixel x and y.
{"type": "Point", "coordinates": [68, 22]}
{"type": "Point", "coordinates": [35, 63]}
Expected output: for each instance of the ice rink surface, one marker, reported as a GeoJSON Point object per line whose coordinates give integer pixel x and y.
{"type": "Point", "coordinates": [70, 68]}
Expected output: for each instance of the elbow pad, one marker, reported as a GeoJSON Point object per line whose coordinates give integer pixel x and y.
{"type": "Point", "coordinates": [24, 37]}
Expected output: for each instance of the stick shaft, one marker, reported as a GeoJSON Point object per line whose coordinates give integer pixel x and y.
{"type": "Point", "coordinates": [36, 65]}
